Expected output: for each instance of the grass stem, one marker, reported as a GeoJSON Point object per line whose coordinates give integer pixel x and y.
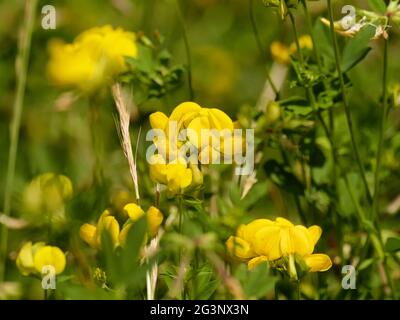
{"type": "Point", "coordinates": [21, 75]}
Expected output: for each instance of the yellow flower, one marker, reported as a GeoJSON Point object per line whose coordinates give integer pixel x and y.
{"type": "Point", "coordinates": [281, 53]}
{"type": "Point", "coordinates": [92, 234]}
{"type": "Point", "coordinates": [32, 258]}
{"type": "Point", "coordinates": [49, 255]}
{"type": "Point", "coordinates": [266, 240]}
{"type": "Point", "coordinates": [46, 194]}
{"type": "Point", "coordinates": [191, 116]}
{"type": "Point", "coordinates": [175, 175]}
{"type": "Point", "coordinates": [94, 58]}
{"type": "Point", "coordinates": [134, 211]}
{"type": "Point", "coordinates": [25, 257]}
{"type": "Point", "coordinates": [305, 42]}
{"type": "Point", "coordinates": [154, 219]}
{"type": "Point", "coordinates": [242, 245]}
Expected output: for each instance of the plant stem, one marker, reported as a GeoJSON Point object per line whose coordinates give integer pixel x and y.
{"type": "Point", "coordinates": [187, 49]}
{"type": "Point", "coordinates": [346, 104]}
{"type": "Point", "coordinates": [311, 31]}
{"type": "Point", "coordinates": [381, 134]}
{"type": "Point", "coordinates": [97, 140]}
{"type": "Point", "coordinates": [21, 75]}
{"type": "Point", "coordinates": [296, 36]}
{"type": "Point", "coordinates": [180, 200]}
{"type": "Point", "coordinates": [260, 46]}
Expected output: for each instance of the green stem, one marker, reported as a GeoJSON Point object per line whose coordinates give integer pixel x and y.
{"type": "Point", "coordinates": [326, 84]}
{"type": "Point", "coordinates": [311, 31]}
{"type": "Point", "coordinates": [187, 49]}
{"type": "Point", "coordinates": [180, 200]}
{"type": "Point", "coordinates": [381, 135]}
{"type": "Point", "coordinates": [346, 104]}
{"type": "Point", "coordinates": [260, 46]}
{"type": "Point", "coordinates": [22, 69]}
{"type": "Point", "coordinates": [296, 36]}
{"type": "Point", "coordinates": [97, 140]}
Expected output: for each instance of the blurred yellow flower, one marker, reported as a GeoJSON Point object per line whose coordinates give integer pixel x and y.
{"type": "Point", "coordinates": [106, 223]}
{"type": "Point", "coordinates": [46, 195]}
{"type": "Point", "coordinates": [92, 234]}
{"type": "Point", "coordinates": [49, 255]}
{"type": "Point", "coordinates": [281, 53]}
{"type": "Point", "coordinates": [32, 258]}
{"type": "Point", "coordinates": [153, 215]}
{"type": "Point", "coordinates": [266, 240]}
{"type": "Point", "coordinates": [94, 58]}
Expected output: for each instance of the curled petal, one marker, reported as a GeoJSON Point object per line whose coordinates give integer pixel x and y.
{"type": "Point", "coordinates": [240, 248]}
{"type": "Point", "coordinates": [256, 261]}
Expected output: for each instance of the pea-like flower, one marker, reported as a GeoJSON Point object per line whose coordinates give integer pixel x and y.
{"type": "Point", "coordinates": [200, 125]}
{"type": "Point", "coordinates": [153, 215]}
{"type": "Point", "coordinates": [93, 60]}
{"type": "Point", "coordinates": [92, 234]}
{"type": "Point", "coordinates": [33, 257]}
{"type": "Point", "coordinates": [175, 175]}
{"type": "Point", "coordinates": [278, 241]}
{"type": "Point", "coordinates": [45, 196]}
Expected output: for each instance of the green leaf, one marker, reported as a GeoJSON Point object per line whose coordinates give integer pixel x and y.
{"type": "Point", "coordinates": [256, 283]}
{"type": "Point", "coordinates": [323, 43]}
{"type": "Point", "coordinates": [203, 283]}
{"type": "Point", "coordinates": [365, 264]}
{"type": "Point", "coordinates": [378, 6]}
{"type": "Point", "coordinates": [392, 245]}
{"type": "Point", "coordinates": [357, 48]}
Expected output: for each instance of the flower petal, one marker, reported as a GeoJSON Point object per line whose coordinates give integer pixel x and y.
{"type": "Point", "coordinates": [318, 262]}
{"type": "Point", "coordinates": [158, 120]}
{"type": "Point", "coordinates": [256, 261]}
{"type": "Point", "coordinates": [239, 248]}
{"type": "Point", "coordinates": [266, 242]}
{"type": "Point", "coordinates": [314, 233]}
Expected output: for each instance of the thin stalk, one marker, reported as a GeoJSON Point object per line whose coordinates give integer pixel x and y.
{"type": "Point", "coordinates": [187, 48]}
{"type": "Point", "coordinates": [97, 141]}
{"type": "Point", "coordinates": [362, 217]}
{"type": "Point", "coordinates": [311, 31]}
{"type": "Point", "coordinates": [320, 69]}
{"type": "Point", "coordinates": [346, 104]}
{"type": "Point", "coordinates": [260, 46]}
{"type": "Point", "coordinates": [296, 36]}
{"type": "Point", "coordinates": [180, 200]}
{"type": "Point", "coordinates": [21, 74]}
{"type": "Point", "coordinates": [381, 134]}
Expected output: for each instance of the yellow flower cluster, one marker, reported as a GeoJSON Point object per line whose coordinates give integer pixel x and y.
{"type": "Point", "coordinates": [94, 58]}
{"type": "Point", "coordinates": [266, 240]}
{"type": "Point", "coordinates": [92, 234]}
{"type": "Point", "coordinates": [281, 53]}
{"type": "Point", "coordinates": [169, 166]}
{"type": "Point", "coordinates": [33, 257]}
{"type": "Point", "coordinates": [46, 194]}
